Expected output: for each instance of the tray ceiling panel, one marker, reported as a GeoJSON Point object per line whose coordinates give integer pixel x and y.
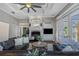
{"type": "Point", "coordinates": [48, 9]}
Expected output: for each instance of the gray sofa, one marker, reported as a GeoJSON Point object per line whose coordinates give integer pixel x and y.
{"type": "Point", "coordinates": [10, 45]}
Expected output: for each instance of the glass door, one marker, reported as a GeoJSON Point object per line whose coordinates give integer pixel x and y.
{"type": "Point", "coordinates": [75, 27]}
{"type": "Point", "coordinates": [77, 31]}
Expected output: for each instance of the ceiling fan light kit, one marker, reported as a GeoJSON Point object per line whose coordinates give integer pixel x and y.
{"type": "Point", "coordinates": [28, 5]}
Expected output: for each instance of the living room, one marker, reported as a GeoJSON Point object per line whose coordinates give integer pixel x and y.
{"type": "Point", "coordinates": [39, 29]}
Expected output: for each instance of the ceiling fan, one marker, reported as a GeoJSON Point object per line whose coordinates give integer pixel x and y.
{"type": "Point", "coordinates": [29, 6]}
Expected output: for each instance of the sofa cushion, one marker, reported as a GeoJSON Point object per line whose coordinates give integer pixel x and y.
{"type": "Point", "coordinates": [8, 44]}
{"type": "Point", "coordinates": [68, 49]}
{"type": "Point", "coordinates": [25, 40]}
{"type": "Point", "coordinates": [1, 43]}
{"type": "Point", "coordinates": [18, 41]}
{"type": "Point", "coordinates": [1, 48]}
{"type": "Point", "coordinates": [5, 45]}
{"type": "Point", "coordinates": [18, 47]}
{"type": "Point", "coordinates": [59, 47]}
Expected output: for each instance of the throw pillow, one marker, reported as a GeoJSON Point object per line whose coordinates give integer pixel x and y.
{"type": "Point", "coordinates": [18, 41]}
{"type": "Point", "coordinates": [67, 49]}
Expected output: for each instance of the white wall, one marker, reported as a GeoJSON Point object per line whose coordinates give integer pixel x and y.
{"type": "Point", "coordinates": [47, 22]}
{"type": "Point", "coordinates": [4, 31]}
{"type": "Point", "coordinates": [13, 24]}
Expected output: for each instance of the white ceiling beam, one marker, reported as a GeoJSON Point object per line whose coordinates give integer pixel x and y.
{"type": "Point", "coordinates": [69, 10]}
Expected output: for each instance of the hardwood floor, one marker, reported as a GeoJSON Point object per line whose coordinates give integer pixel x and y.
{"type": "Point", "coordinates": [12, 52]}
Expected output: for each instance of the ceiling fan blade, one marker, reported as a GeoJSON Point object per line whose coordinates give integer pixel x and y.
{"type": "Point", "coordinates": [20, 3]}
{"type": "Point", "coordinates": [22, 8]}
{"type": "Point", "coordinates": [28, 10]}
{"type": "Point", "coordinates": [36, 6]}
{"type": "Point", "coordinates": [38, 3]}
{"type": "Point", "coordinates": [33, 9]}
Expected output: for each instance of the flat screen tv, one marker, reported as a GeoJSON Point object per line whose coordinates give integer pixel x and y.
{"type": "Point", "coordinates": [48, 31]}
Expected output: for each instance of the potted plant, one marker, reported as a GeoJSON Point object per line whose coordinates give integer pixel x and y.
{"type": "Point", "coordinates": [39, 38]}
{"type": "Point", "coordinates": [36, 52]}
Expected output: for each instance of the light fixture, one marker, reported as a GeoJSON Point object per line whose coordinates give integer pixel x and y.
{"type": "Point", "coordinates": [13, 12]}
{"type": "Point", "coordinates": [28, 5]}
{"type": "Point", "coordinates": [36, 24]}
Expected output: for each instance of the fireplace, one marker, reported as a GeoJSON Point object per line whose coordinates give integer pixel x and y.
{"type": "Point", "coordinates": [34, 33]}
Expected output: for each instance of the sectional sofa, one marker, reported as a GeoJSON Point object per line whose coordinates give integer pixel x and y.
{"type": "Point", "coordinates": [15, 44]}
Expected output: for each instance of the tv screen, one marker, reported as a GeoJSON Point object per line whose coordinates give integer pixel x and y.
{"type": "Point", "coordinates": [48, 31]}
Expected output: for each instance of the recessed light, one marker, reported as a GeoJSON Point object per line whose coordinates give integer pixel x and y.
{"type": "Point", "coordinates": [13, 12]}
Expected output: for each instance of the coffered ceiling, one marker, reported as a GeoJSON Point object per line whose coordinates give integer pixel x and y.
{"type": "Point", "coordinates": [48, 9]}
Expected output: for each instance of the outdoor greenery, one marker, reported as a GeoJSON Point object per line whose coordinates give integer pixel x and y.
{"type": "Point", "coordinates": [38, 37]}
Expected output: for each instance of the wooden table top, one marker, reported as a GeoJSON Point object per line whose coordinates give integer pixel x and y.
{"type": "Point", "coordinates": [39, 44]}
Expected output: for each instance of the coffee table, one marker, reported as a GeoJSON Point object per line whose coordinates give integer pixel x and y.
{"type": "Point", "coordinates": [39, 45]}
